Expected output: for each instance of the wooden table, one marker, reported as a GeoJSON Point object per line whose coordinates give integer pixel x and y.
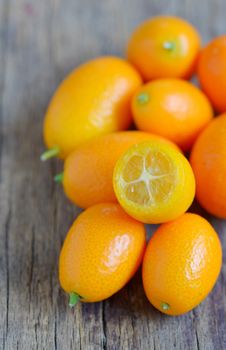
{"type": "Point", "coordinates": [41, 41]}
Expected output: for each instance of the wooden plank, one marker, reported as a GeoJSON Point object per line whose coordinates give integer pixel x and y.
{"type": "Point", "coordinates": [41, 41]}
{"type": "Point", "coordinates": [4, 212]}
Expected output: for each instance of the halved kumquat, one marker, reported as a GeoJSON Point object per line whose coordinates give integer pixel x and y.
{"type": "Point", "coordinates": [154, 182]}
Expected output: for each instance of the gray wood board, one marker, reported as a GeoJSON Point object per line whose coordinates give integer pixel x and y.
{"type": "Point", "coordinates": [40, 42]}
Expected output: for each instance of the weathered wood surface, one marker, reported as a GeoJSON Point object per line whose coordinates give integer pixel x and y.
{"type": "Point", "coordinates": [40, 41]}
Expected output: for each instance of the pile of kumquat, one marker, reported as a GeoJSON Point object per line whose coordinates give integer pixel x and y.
{"type": "Point", "coordinates": [139, 141]}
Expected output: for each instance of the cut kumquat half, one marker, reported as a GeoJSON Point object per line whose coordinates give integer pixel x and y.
{"type": "Point", "coordinates": [154, 182]}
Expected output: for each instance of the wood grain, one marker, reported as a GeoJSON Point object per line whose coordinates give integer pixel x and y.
{"type": "Point", "coordinates": [41, 41]}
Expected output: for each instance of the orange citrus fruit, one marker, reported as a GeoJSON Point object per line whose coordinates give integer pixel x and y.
{"type": "Point", "coordinates": [88, 170]}
{"type": "Point", "coordinates": [173, 108]}
{"type": "Point", "coordinates": [93, 100]}
{"type": "Point", "coordinates": [154, 182]}
{"type": "Point", "coordinates": [102, 251]}
{"type": "Point", "coordinates": [212, 72]}
{"type": "Point", "coordinates": [208, 160]}
{"type": "Point", "coordinates": [164, 47]}
{"type": "Point", "coordinates": [181, 264]}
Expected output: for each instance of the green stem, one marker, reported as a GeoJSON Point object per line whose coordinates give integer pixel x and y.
{"type": "Point", "coordinates": [168, 45]}
{"type": "Point", "coordinates": [50, 153]}
{"type": "Point", "coordinates": [59, 178]}
{"type": "Point", "coordinates": [143, 98]}
{"type": "Point", "coordinates": [165, 306]}
{"type": "Point", "coordinates": [73, 299]}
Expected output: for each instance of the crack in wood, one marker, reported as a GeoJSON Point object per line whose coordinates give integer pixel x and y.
{"type": "Point", "coordinates": [104, 325]}
{"type": "Point", "coordinates": [55, 334]}
{"type": "Point", "coordinates": [36, 335]}
{"type": "Point", "coordinates": [154, 344]}
{"type": "Point", "coordinates": [80, 338]}
{"type": "Point", "coordinates": [194, 323]}
{"type": "Point", "coordinates": [197, 339]}
{"type": "Point", "coordinates": [32, 260]}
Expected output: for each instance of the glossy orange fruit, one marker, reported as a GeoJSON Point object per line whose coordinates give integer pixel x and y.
{"type": "Point", "coordinates": [212, 72]}
{"type": "Point", "coordinates": [181, 264]}
{"type": "Point", "coordinates": [173, 108]}
{"type": "Point", "coordinates": [154, 182]}
{"type": "Point", "coordinates": [93, 100]}
{"type": "Point", "coordinates": [102, 251]}
{"type": "Point", "coordinates": [208, 160]}
{"type": "Point", "coordinates": [164, 47]}
{"type": "Point", "coordinates": [88, 171]}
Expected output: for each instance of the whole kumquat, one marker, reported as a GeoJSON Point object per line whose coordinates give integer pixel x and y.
{"type": "Point", "coordinates": [102, 251]}
{"type": "Point", "coordinates": [93, 100]}
{"type": "Point", "coordinates": [181, 264]}
{"type": "Point", "coordinates": [208, 160]}
{"type": "Point", "coordinates": [212, 72]}
{"type": "Point", "coordinates": [164, 47]}
{"type": "Point", "coordinates": [172, 108]}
